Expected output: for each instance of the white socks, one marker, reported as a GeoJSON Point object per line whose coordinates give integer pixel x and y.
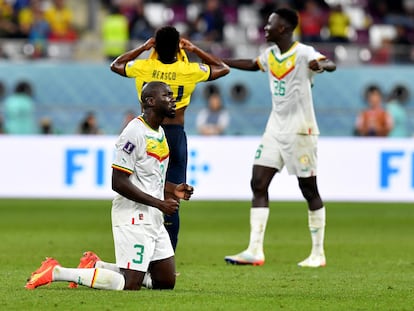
{"type": "Point", "coordinates": [147, 282]}
{"type": "Point", "coordinates": [107, 265]}
{"type": "Point", "coordinates": [93, 277]}
{"type": "Point", "coordinates": [317, 229]}
{"type": "Point", "coordinates": [258, 221]}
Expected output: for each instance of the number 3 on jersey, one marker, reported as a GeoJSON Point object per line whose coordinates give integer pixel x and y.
{"type": "Point", "coordinates": [139, 254]}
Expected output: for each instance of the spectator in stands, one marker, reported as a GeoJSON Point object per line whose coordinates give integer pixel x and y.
{"type": "Point", "coordinates": [402, 46]}
{"type": "Point", "coordinates": [210, 23]}
{"type": "Point", "coordinates": [374, 120]}
{"type": "Point", "coordinates": [46, 126]}
{"type": "Point", "coordinates": [33, 25]}
{"type": "Point", "coordinates": [213, 119]}
{"type": "Point", "coordinates": [19, 111]}
{"type": "Point", "coordinates": [396, 108]}
{"type": "Point", "coordinates": [338, 24]}
{"type": "Point", "coordinates": [129, 116]}
{"type": "Point", "coordinates": [8, 27]}
{"type": "Point", "coordinates": [2, 93]}
{"type": "Point", "coordinates": [115, 33]}
{"type": "Point", "coordinates": [382, 54]}
{"type": "Point", "coordinates": [139, 26]}
{"type": "Point", "coordinates": [60, 19]}
{"type": "Point", "coordinates": [89, 125]}
{"type": "Point", "coordinates": [311, 21]}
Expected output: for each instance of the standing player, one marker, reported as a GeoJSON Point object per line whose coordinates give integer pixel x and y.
{"type": "Point", "coordinates": [169, 63]}
{"type": "Point", "coordinates": [290, 138]}
{"type": "Point", "coordinates": [141, 241]}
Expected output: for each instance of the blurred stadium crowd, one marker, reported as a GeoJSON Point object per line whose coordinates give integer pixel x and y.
{"type": "Point", "coordinates": [348, 31]}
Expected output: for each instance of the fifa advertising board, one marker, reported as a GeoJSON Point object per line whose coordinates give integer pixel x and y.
{"type": "Point", "coordinates": [219, 168]}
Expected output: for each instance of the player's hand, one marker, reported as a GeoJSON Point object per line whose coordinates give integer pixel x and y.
{"type": "Point", "coordinates": [169, 206]}
{"type": "Point", "coordinates": [149, 44]}
{"type": "Point", "coordinates": [183, 191]}
{"type": "Point", "coordinates": [316, 66]}
{"type": "Point", "coordinates": [187, 45]}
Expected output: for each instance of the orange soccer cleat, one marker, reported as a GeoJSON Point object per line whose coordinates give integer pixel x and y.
{"type": "Point", "coordinates": [43, 275]}
{"type": "Point", "coordinates": [88, 260]}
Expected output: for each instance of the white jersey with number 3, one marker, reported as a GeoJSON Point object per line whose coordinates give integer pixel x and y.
{"type": "Point", "coordinates": [143, 153]}
{"type": "Point", "coordinates": [290, 81]}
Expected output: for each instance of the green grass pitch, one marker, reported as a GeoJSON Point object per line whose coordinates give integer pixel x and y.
{"type": "Point", "coordinates": [369, 248]}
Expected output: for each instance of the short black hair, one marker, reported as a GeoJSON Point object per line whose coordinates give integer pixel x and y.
{"type": "Point", "coordinates": [167, 40]}
{"type": "Point", "coordinates": [24, 87]}
{"type": "Point", "coordinates": [372, 88]}
{"type": "Point", "coordinates": [400, 92]}
{"type": "Point", "coordinates": [289, 15]}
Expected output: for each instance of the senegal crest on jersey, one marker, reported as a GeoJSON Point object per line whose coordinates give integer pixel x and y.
{"type": "Point", "coordinates": [280, 66]}
{"type": "Point", "coordinates": [157, 147]}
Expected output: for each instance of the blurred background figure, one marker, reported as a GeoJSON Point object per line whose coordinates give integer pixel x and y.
{"type": "Point", "coordinates": [338, 25]}
{"type": "Point", "coordinates": [402, 45]}
{"type": "Point", "coordinates": [34, 26]}
{"type": "Point", "coordinates": [129, 116]}
{"type": "Point", "coordinates": [46, 126]}
{"type": "Point", "coordinates": [115, 33]}
{"type": "Point", "coordinates": [2, 93]}
{"type": "Point", "coordinates": [139, 26]}
{"type": "Point", "coordinates": [19, 111]}
{"type": "Point", "coordinates": [209, 24]}
{"type": "Point", "coordinates": [374, 120]}
{"type": "Point", "coordinates": [89, 125]}
{"type": "Point", "coordinates": [213, 119]}
{"type": "Point", "coordinates": [396, 108]}
{"type": "Point", "coordinates": [312, 19]}
{"type": "Point", "coordinates": [60, 18]}
{"type": "Point", "coordinates": [8, 26]}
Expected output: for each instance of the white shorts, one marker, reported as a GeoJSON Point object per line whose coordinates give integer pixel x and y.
{"type": "Point", "coordinates": [138, 245]}
{"type": "Point", "coordinates": [295, 151]}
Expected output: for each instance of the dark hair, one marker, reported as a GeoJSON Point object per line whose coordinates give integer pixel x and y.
{"type": "Point", "coordinates": [167, 40]}
{"type": "Point", "coordinates": [371, 89]}
{"type": "Point", "coordinates": [400, 93]}
{"type": "Point", "coordinates": [289, 15]}
{"type": "Point", "coordinates": [24, 87]}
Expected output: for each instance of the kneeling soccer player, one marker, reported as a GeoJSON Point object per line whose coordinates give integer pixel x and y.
{"type": "Point", "coordinates": [142, 244]}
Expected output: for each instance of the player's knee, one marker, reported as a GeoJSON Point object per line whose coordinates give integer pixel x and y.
{"type": "Point", "coordinates": [309, 193]}
{"type": "Point", "coordinates": [258, 185]}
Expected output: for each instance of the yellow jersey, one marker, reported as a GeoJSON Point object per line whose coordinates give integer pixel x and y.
{"type": "Point", "coordinates": [182, 76]}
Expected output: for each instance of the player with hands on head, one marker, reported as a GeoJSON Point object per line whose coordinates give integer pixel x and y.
{"type": "Point", "coordinates": [142, 244]}
{"type": "Point", "coordinates": [290, 137]}
{"type": "Point", "coordinates": [168, 62]}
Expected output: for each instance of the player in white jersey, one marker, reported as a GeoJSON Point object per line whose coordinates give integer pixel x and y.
{"type": "Point", "coordinates": [290, 137]}
{"type": "Point", "coordinates": [142, 243]}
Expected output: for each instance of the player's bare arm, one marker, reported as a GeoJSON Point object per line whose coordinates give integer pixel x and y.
{"type": "Point", "coordinates": [123, 185]}
{"type": "Point", "coordinates": [243, 64]}
{"type": "Point", "coordinates": [322, 65]}
{"type": "Point", "coordinates": [118, 65]}
{"type": "Point", "coordinates": [217, 66]}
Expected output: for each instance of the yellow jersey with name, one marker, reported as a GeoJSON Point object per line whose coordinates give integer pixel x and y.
{"type": "Point", "coordinates": [182, 76]}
